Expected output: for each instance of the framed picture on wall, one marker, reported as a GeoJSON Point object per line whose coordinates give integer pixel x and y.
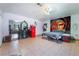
{"type": "Point", "coordinates": [45, 27]}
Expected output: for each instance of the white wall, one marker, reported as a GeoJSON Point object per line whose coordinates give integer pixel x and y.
{"type": "Point", "coordinates": [75, 26]}
{"type": "Point", "coordinates": [19, 18]}
{"type": "Point", "coordinates": [0, 29]}
{"type": "Point", "coordinates": [39, 28]}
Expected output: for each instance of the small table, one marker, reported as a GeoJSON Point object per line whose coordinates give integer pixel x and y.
{"type": "Point", "coordinates": [7, 38]}
{"type": "Point", "coordinates": [66, 37]}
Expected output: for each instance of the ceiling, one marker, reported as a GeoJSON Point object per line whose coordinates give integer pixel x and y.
{"type": "Point", "coordinates": [34, 11]}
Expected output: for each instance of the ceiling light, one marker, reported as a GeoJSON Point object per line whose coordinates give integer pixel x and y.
{"type": "Point", "coordinates": [46, 8]}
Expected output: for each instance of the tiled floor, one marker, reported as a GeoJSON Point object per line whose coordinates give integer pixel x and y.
{"type": "Point", "coordinates": [39, 47]}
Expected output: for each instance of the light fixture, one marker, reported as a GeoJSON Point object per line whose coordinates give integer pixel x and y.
{"type": "Point", "coordinates": [46, 8]}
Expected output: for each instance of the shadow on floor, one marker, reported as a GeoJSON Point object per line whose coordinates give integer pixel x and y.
{"type": "Point", "coordinates": [54, 40]}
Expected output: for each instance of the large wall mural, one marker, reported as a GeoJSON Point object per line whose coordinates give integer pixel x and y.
{"type": "Point", "coordinates": [61, 24]}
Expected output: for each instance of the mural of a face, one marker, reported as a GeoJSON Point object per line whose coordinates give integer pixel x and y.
{"type": "Point", "coordinates": [61, 24]}
{"type": "Point", "coordinates": [58, 25]}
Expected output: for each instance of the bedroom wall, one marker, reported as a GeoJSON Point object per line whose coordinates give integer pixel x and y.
{"type": "Point", "coordinates": [0, 29]}
{"type": "Point", "coordinates": [75, 26]}
{"type": "Point", "coordinates": [48, 24]}
{"type": "Point", "coordinates": [19, 18]}
{"type": "Point", "coordinates": [10, 16]}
